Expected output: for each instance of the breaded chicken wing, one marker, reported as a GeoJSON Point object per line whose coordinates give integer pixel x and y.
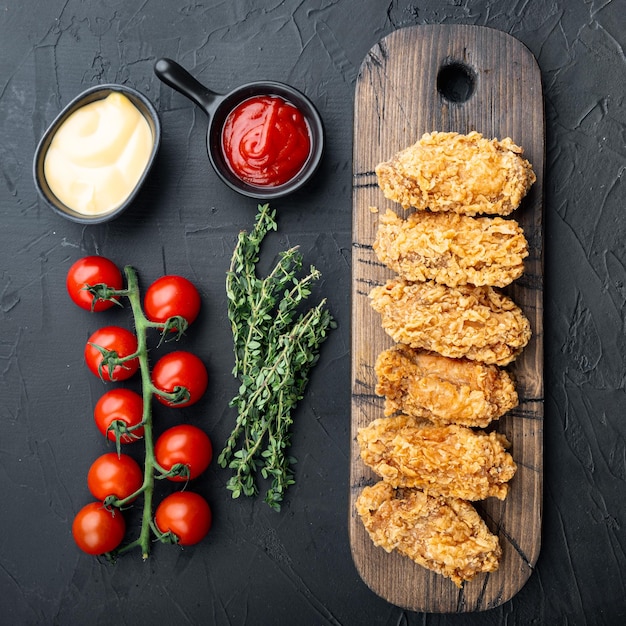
{"type": "Point", "coordinates": [445, 535]}
{"type": "Point", "coordinates": [466, 174]}
{"type": "Point", "coordinates": [478, 323]}
{"type": "Point", "coordinates": [452, 461]}
{"type": "Point", "coordinates": [452, 249]}
{"type": "Point", "coordinates": [443, 390]}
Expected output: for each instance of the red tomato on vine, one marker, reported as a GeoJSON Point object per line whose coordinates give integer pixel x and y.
{"type": "Point", "coordinates": [113, 475]}
{"type": "Point", "coordinates": [97, 530]}
{"type": "Point", "coordinates": [180, 373]}
{"type": "Point", "coordinates": [186, 515]}
{"type": "Point", "coordinates": [171, 296]}
{"type": "Point", "coordinates": [117, 341]}
{"type": "Point", "coordinates": [91, 271]}
{"type": "Point", "coordinates": [120, 410]}
{"type": "Point", "coordinates": [186, 445]}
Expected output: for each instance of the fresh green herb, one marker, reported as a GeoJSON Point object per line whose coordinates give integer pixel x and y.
{"type": "Point", "coordinates": [275, 347]}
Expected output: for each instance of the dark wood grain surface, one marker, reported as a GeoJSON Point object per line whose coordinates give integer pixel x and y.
{"type": "Point", "coordinates": [397, 100]}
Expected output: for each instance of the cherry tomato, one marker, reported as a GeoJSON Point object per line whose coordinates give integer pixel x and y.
{"type": "Point", "coordinates": [97, 530]}
{"type": "Point", "coordinates": [92, 270]}
{"type": "Point", "coordinates": [113, 475]}
{"type": "Point", "coordinates": [185, 514]}
{"type": "Point", "coordinates": [119, 405]}
{"type": "Point", "coordinates": [169, 296]}
{"type": "Point", "coordinates": [180, 369]}
{"type": "Point", "coordinates": [118, 340]}
{"type": "Point", "coordinates": [187, 445]}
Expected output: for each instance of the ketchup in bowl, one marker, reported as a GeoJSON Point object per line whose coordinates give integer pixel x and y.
{"type": "Point", "coordinates": [266, 141]}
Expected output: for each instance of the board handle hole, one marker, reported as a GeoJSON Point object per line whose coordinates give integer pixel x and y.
{"type": "Point", "coordinates": [456, 82]}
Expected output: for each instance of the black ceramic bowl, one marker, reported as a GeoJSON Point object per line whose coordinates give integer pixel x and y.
{"type": "Point", "coordinates": [219, 106]}
{"type": "Point", "coordinates": [91, 95]}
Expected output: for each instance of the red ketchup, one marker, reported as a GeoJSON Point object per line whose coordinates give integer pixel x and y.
{"type": "Point", "coordinates": [266, 141]}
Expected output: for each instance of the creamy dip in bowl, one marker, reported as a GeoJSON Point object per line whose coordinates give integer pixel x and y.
{"type": "Point", "coordinates": [95, 156]}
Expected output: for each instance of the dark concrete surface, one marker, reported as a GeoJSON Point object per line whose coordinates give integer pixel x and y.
{"type": "Point", "coordinates": [294, 567]}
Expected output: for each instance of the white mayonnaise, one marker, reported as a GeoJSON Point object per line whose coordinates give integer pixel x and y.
{"type": "Point", "coordinates": [98, 155]}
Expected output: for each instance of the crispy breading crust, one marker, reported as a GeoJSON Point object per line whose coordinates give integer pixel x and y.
{"type": "Point", "coordinates": [452, 461]}
{"type": "Point", "coordinates": [452, 249]}
{"type": "Point", "coordinates": [462, 173]}
{"type": "Point", "coordinates": [478, 323]}
{"type": "Point", "coordinates": [445, 535]}
{"type": "Point", "coordinates": [443, 390]}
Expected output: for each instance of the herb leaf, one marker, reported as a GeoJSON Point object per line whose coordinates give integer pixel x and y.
{"type": "Point", "coordinates": [275, 347]}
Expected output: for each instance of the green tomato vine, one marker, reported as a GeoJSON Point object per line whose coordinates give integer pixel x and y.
{"type": "Point", "coordinates": [171, 329]}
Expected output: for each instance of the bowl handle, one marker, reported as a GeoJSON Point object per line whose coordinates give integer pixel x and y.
{"type": "Point", "coordinates": [178, 78]}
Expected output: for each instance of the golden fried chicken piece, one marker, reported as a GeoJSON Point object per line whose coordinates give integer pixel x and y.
{"type": "Point", "coordinates": [452, 461]}
{"type": "Point", "coordinates": [443, 390]}
{"type": "Point", "coordinates": [452, 249]}
{"type": "Point", "coordinates": [445, 535]}
{"type": "Point", "coordinates": [466, 174]}
{"type": "Point", "coordinates": [478, 323]}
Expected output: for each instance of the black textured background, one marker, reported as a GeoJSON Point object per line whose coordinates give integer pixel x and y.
{"type": "Point", "coordinates": [256, 566]}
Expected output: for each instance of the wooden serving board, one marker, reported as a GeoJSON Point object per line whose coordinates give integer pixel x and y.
{"type": "Point", "coordinates": [396, 101]}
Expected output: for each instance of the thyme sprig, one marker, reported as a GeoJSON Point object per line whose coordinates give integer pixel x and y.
{"type": "Point", "coordinates": [275, 347]}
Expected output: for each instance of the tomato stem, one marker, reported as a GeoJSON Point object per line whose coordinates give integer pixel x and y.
{"type": "Point", "coordinates": [178, 395]}
{"type": "Point", "coordinates": [150, 464]}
